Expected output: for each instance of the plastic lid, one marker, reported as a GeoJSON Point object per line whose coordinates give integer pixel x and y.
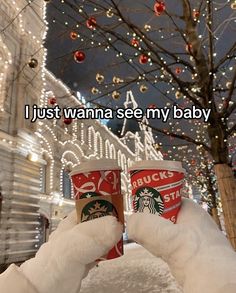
{"type": "Point", "coordinates": [161, 165]}
{"type": "Point", "coordinates": [95, 165]}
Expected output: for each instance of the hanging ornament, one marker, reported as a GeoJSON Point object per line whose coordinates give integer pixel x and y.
{"type": "Point", "coordinates": [135, 42]}
{"type": "Point", "coordinates": [94, 91]}
{"type": "Point", "coordinates": [91, 23]}
{"type": "Point", "coordinates": [73, 35]}
{"type": "Point", "coordinates": [156, 146]}
{"type": "Point", "coordinates": [79, 56]}
{"type": "Point", "coordinates": [178, 70]}
{"type": "Point", "coordinates": [33, 63]}
{"type": "Point", "coordinates": [110, 13]}
{"type": "Point", "coordinates": [188, 48]}
{"type": "Point", "coordinates": [116, 95]}
{"type": "Point", "coordinates": [178, 95]}
{"type": "Point", "coordinates": [228, 84]}
{"type": "Point", "coordinates": [159, 7]}
{"type": "Point", "coordinates": [143, 59]}
{"type": "Point", "coordinates": [193, 162]}
{"type": "Point", "coordinates": [233, 5]}
{"type": "Point", "coordinates": [225, 103]}
{"type": "Point", "coordinates": [196, 14]}
{"type": "Point", "coordinates": [143, 88]}
{"type": "Point", "coordinates": [147, 27]}
{"type": "Point", "coordinates": [52, 101]}
{"type": "Point", "coordinates": [152, 106]}
{"type": "Point", "coordinates": [68, 121]}
{"type": "Point", "coordinates": [117, 80]}
{"type": "Point", "coordinates": [100, 78]}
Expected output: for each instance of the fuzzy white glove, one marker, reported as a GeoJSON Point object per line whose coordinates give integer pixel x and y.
{"type": "Point", "coordinates": [198, 254]}
{"type": "Point", "coordinates": [62, 263]}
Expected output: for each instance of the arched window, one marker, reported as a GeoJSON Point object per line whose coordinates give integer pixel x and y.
{"type": "Point", "coordinates": [107, 149]}
{"type": "Point", "coordinates": [5, 61]}
{"type": "Point", "coordinates": [91, 137]}
{"type": "Point", "coordinates": [46, 173]}
{"type": "Point", "coordinates": [129, 162]}
{"type": "Point", "coordinates": [98, 145]}
{"type": "Point", "coordinates": [112, 152]}
{"type": "Point", "coordinates": [123, 163]}
{"type": "Point", "coordinates": [43, 178]}
{"type": "Point", "coordinates": [66, 184]}
{"type": "Point", "coordinates": [119, 158]}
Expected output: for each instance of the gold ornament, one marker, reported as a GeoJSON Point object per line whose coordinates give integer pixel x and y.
{"type": "Point", "coordinates": [33, 63]}
{"type": "Point", "coordinates": [110, 13]}
{"type": "Point", "coordinates": [94, 91]}
{"type": "Point", "coordinates": [178, 95]}
{"type": "Point", "coordinates": [116, 95]}
{"type": "Point", "coordinates": [228, 84]}
{"type": "Point", "coordinates": [99, 78]}
{"type": "Point", "coordinates": [143, 88]}
{"type": "Point", "coordinates": [156, 146]}
{"type": "Point", "coordinates": [147, 27]}
{"type": "Point", "coordinates": [117, 80]}
{"type": "Point", "coordinates": [233, 5]}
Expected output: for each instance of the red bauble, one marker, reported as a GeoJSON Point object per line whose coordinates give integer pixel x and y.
{"type": "Point", "coordinates": [188, 48]}
{"type": "Point", "coordinates": [178, 70]}
{"type": "Point", "coordinates": [196, 14]}
{"type": "Point", "coordinates": [135, 43]}
{"type": "Point", "coordinates": [79, 56]}
{"type": "Point", "coordinates": [152, 106]}
{"type": "Point", "coordinates": [143, 59]}
{"type": "Point", "coordinates": [68, 121]}
{"type": "Point", "coordinates": [225, 104]}
{"type": "Point", "coordinates": [159, 7]}
{"type": "Point", "coordinates": [91, 23]}
{"type": "Point", "coordinates": [73, 35]}
{"type": "Point", "coordinates": [52, 101]}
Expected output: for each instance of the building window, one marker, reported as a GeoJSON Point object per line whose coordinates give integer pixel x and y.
{"type": "Point", "coordinates": [43, 179]}
{"type": "Point", "coordinates": [66, 184]}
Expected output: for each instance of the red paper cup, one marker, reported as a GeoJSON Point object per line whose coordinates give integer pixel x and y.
{"type": "Point", "coordinates": [97, 192]}
{"type": "Point", "coordinates": [156, 187]}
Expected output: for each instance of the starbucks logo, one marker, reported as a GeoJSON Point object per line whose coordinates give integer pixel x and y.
{"type": "Point", "coordinates": [96, 209]}
{"type": "Point", "coordinates": [149, 200]}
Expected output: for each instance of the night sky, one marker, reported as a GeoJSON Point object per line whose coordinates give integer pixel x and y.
{"type": "Point", "coordinates": [81, 77]}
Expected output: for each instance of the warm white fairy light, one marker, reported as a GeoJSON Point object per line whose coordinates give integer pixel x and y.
{"type": "Point", "coordinates": [5, 61]}
{"type": "Point", "coordinates": [107, 148]}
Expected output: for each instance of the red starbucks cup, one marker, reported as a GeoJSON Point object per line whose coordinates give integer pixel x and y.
{"type": "Point", "coordinates": [156, 187]}
{"type": "Point", "coordinates": [97, 192]}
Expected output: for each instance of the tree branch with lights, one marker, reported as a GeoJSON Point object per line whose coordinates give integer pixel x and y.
{"type": "Point", "coordinates": [182, 52]}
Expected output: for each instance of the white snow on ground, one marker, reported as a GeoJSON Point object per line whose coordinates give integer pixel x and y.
{"type": "Point", "coordinates": [136, 272]}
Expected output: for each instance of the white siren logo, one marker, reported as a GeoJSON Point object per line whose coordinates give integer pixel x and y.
{"type": "Point", "coordinates": [149, 200]}
{"type": "Point", "coordinates": [97, 209]}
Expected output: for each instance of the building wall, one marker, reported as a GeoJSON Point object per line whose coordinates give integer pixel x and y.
{"type": "Point", "coordinates": [34, 155]}
{"type": "Point", "coordinates": [19, 177]}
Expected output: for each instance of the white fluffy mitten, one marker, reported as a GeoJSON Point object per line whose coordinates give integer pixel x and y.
{"type": "Point", "coordinates": [197, 252]}
{"type": "Point", "coordinates": [62, 263]}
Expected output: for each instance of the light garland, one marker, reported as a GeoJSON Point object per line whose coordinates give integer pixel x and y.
{"type": "Point", "coordinates": [5, 61]}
